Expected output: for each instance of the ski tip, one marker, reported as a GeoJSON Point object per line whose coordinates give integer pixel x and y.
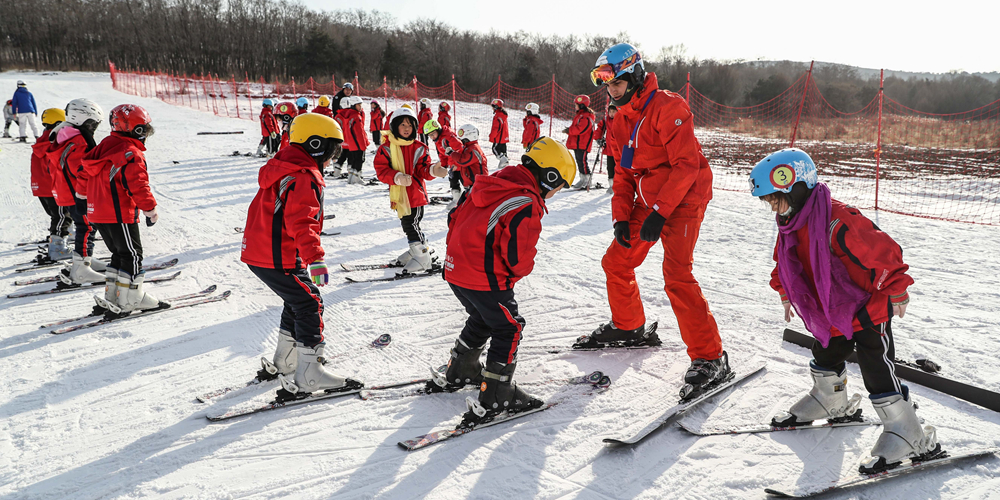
{"type": "Point", "coordinates": [226, 294]}
{"type": "Point", "coordinates": [210, 289]}
{"type": "Point", "coordinates": [172, 262]}
{"type": "Point", "coordinates": [777, 494]}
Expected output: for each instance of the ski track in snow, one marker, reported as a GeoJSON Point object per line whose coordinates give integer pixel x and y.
{"type": "Point", "coordinates": [110, 412]}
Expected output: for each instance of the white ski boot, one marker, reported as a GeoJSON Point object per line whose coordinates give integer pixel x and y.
{"type": "Point", "coordinates": [611, 189]}
{"type": "Point", "coordinates": [338, 171]}
{"type": "Point", "coordinates": [902, 437]}
{"type": "Point", "coordinates": [260, 150]}
{"type": "Point", "coordinates": [502, 162]}
{"type": "Point", "coordinates": [80, 272]}
{"type": "Point", "coordinates": [420, 259]}
{"type": "Point", "coordinates": [57, 249]}
{"type": "Point", "coordinates": [826, 400]}
{"type": "Point", "coordinates": [286, 360]}
{"type": "Point", "coordinates": [109, 301]}
{"type": "Point", "coordinates": [312, 376]}
{"type": "Point", "coordinates": [455, 195]}
{"type": "Point", "coordinates": [584, 181]}
{"type": "Point", "coordinates": [132, 296]}
{"type": "Point", "coordinates": [354, 178]}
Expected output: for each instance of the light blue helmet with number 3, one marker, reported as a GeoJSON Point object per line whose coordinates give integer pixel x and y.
{"type": "Point", "coordinates": [779, 171]}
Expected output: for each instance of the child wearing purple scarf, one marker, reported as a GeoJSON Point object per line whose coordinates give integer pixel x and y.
{"type": "Point", "coordinates": [846, 279]}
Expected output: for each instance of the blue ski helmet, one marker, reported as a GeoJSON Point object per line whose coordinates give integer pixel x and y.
{"type": "Point", "coordinates": [779, 171]}
{"type": "Point", "coordinates": [621, 61]}
{"type": "Point", "coordinates": [302, 102]}
{"type": "Point", "coordinates": [269, 102]}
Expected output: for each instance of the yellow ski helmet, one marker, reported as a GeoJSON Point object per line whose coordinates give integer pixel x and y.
{"type": "Point", "coordinates": [431, 125]}
{"type": "Point", "coordinates": [324, 101]}
{"type": "Point", "coordinates": [554, 162]}
{"type": "Point", "coordinates": [53, 116]}
{"type": "Point", "coordinates": [319, 135]}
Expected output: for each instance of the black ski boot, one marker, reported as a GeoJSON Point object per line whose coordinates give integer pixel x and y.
{"type": "Point", "coordinates": [704, 375]}
{"type": "Point", "coordinates": [498, 393]}
{"type": "Point", "coordinates": [608, 335]}
{"type": "Point", "coordinates": [464, 368]}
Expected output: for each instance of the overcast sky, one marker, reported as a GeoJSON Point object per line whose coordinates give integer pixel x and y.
{"type": "Point", "coordinates": [900, 35]}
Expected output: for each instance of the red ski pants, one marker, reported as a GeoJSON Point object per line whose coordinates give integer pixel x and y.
{"type": "Point", "coordinates": [679, 236]}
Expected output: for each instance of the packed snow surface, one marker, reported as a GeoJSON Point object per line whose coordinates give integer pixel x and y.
{"type": "Point", "coordinates": [110, 412]}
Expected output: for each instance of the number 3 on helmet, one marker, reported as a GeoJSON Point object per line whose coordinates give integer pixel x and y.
{"type": "Point", "coordinates": [779, 171]}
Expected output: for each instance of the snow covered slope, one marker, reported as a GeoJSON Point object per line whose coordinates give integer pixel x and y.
{"type": "Point", "coordinates": [110, 412]}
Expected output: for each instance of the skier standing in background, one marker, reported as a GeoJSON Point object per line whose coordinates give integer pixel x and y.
{"type": "Point", "coordinates": [346, 91]}
{"type": "Point", "coordinates": [290, 259]}
{"type": "Point", "coordinates": [846, 279]}
{"type": "Point", "coordinates": [402, 163]}
{"type": "Point", "coordinates": [117, 189]}
{"type": "Point", "coordinates": [606, 141]}
{"type": "Point", "coordinates": [323, 106]}
{"type": "Point", "coordinates": [302, 106]}
{"type": "Point", "coordinates": [423, 117]}
{"type": "Point", "coordinates": [499, 134]}
{"type": "Point", "coordinates": [581, 138]}
{"type": "Point", "coordinates": [270, 130]}
{"type": "Point", "coordinates": [492, 240]}
{"type": "Point", "coordinates": [375, 125]}
{"type": "Point", "coordinates": [23, 106]}
{"type": "Point", "coordinates": [660, 193]}
{"type": "Point", "coordinates": [532, 125]}
{"type": "Point", "coordinates": [41, 187]}
{"type": "Point", "coordinates": [285, 112]}
{"type": "Point", "coordinates": [8, 117]}
{"type": "Point", "coordinates": [469, 162]}
{"type": "Point", "coordinates": [355, 138]}
{"type": "Point", "coordinates": [444, 117]}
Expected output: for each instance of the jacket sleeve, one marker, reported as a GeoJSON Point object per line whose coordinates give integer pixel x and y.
{"type": "Point", "coordinates": [675, 129]}
{"type": "Point", "coordinates": [383, 166]}
{"type": "Point", "coordinates": [579, 125]}
{"type": "Point", "coordinates": [34, 106]}
{"type": "Point", "coordinates": [601, 126]}
{"type": "Point", "coordinates": [519, 239]}
{"type": "Point", "coordinates": [775, 280]}
{"type": "Point", "coordinates": [135, 179]}
{"type": "Point", "coordinates": [623, 200]}
{"type": "Point", "coordinates": [302, 207]}
{"type": "Point", "coordinates": [867, 246]}
{"type": "Point", "coordinates": [422, 167]}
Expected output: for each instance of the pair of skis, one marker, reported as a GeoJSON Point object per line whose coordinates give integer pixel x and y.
{"type": "Point", "coordinates": [61, 288]}
{"type": "Point", "coordinates": [435, 269]}
{"type": "Point", "coordinates": [190, 300]}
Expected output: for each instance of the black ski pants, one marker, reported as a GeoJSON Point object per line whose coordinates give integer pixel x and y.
{"type": "Point", "coordinates": [876, 353]}
{"type": "Point", "coordinates": [59, 217]}
{"type": "Point", "coordinates": [302, 314]}
{"type": "Point", "coordinates": [499, 149]}
{"type": "Point", "coordinates": [84, 244]}
{"type": "Point", "coordinates": [611, 168]}
{"type": "Point", "coordinates": [343, 157]}
{"type": "Point", "coordinates": [356, 160]}
{"type": "Point", "coordinates": [411, 225]}
{"type": "Point", "coordinates": [581, 161]}
{"type": "Point", "coordinates": [455, 180]}
{"type": "Point", "coordinates": [125, 246]}
{"type": "Point", "coordinates": [376, 138]}
{"type": "Point", "coordinates": [492, 316]}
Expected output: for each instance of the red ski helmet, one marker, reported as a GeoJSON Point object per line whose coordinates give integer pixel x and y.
{"type": "Point", "coordinates": [131, 119]}
{"type": "Point", "coordinates": [286, 111]}
{"type": "Point", "coordinates": [583, 99]}
{"type": "Point", "coordinates": [444, 105]}
{"type": "Point", "coordinates": [497, 103]}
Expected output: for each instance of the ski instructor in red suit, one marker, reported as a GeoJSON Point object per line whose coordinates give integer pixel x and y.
{"type": "Point", "coordinates": [662, 186]}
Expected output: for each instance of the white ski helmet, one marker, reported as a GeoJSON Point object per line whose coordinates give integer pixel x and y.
{"type": "Point", "coordinates": [468, 132]}
{"type": "Point", "coordinates": [355, 100]}
{"type": "Point", "coordinates": [533, 108]}
{"type": "Point", "coordinates": [78, 111]}
{"type": "Point", "coordinates": [345, 102]}
{"type": "Point", "coordinates": [425, 101]}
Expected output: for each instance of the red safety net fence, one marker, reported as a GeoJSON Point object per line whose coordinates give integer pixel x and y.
{"type": "Point", "coordinates": [884, 156]}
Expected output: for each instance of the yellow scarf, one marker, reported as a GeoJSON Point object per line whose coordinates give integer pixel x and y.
{"type": "Point", "coordinates": [397, 194]}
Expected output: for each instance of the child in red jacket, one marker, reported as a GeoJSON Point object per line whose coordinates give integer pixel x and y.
{"type": "Point", "coordinates": [532, 124]}
{"type": "Point", "coordinates": [291, 194]}
{"type": "Point", "coordinates": [846, 279]}
{"type": "Point", "coordinates": [581, 137]}
{"type": "Point", "coordinates": [470, 161]}
{"type": "Point", "coordinates": [423, 116]}
{"type": "Point", "coordinates": [270, 130]}
{"type": "Point", "coordinates": [499, 135]}
{"type": "Point", "coordinates": [446, 143]}
{"type": "Point", "coordinates": [606, 141]}
{"type": "Point", "coordinates": [323, 106]}
{"type": "Point", "coordinates": [117, 189]}
{"type": "Point", "coordinates": [444, 117]}
{"type": "Point", "coordinates": [41, 187]}
{"type": "Point", "coordinates": [285, 112]}
{"type": "Point", "coordinates": [355, 138]}
{"type": "Point", "coordinates": [375, 124]}
{"type": "Point", "coordinates": [492, 239]}
{"type": "Point", "coordinates": [402, 163]}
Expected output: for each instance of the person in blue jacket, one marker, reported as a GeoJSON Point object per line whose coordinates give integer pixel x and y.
{"type": "Point", "coordinates": [24, 108]}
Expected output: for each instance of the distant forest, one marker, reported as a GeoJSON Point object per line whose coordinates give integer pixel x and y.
{"type": "Point", "coordinates": [282, 39]}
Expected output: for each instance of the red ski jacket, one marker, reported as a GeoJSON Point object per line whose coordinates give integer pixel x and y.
{"type": "Point", "coordinates": [376, 122]}
{"type": "Point", "coordinates": [444, 118]}
{"type": "Point", "coordinates": [353, 125]}
{"type": "Point", "coordinates": [323, 110]}
{"type": "Point", "coordinates": [447, 143]}
{"type": "Point", "coordinates": [286, 216]}
{"type": "Point", "coordinates": [268, 123]}
{"type": "Point", "coordinates": [41, 173]}
{"type": "Point", "coordinates": [470, 162]}
{"type": "Point", "coordinates": [669, 171]}
{"type": "Point", "coordinates": [418, 165]}
{"type": "Point", "coordinates": [498, 132]}
{"type": "Point", "coordinates": [605, 132]}
{"type": "Point", "coordinates": [493, 232]}
{"type": "Point", "coordinates": [423, 117]}
{"type": "Point", "coordinates": [532, 129]}
{"type": "Point", "coordinates": [69, 181]}
{"type": "Point", "coordinates": [873, 260]}
{"type": "Point", "coordinates": [581, 132]}
{"type": "Point", "coordinates": [118, 185]}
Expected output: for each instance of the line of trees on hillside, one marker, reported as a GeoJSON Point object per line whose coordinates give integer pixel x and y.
{"type": "Point", "coordinates": [282, 39]}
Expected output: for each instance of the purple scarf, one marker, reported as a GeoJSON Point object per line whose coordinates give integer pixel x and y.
{"type": "Point", "coordinates": [837, 298]}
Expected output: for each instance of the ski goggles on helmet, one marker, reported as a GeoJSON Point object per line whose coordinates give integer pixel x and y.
{"type": "Point", "coordinates": [604, 73]}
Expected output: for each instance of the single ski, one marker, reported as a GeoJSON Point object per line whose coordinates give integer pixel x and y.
{"type": "Point", "coordinates": [26, 243]}
{"type": "Point", "coordinates": [595, 378]}
{"type": "Point", "coordinates": [251, 408]}
{"type": "Point", "coordinates": [755, 429]}
{"type": "Point", "coordinates": [368, 267]}
{"type": "Point", "coordinates": [141, 314]}
{"type": "Point", "coordinates": [329, 234]}
{"type": "Point", "coordinates": [268, 372]}
{"type": "Point", "coordinates": [904, 468]}
{"type": "Point", "coordinates": [48, 279]}
{"type": "Point", "coordinates": [682, 406]}
{"type": "Point", "coordinates": [60, 287]}
{"type": "Point", "coordinates": [48, 264]}
{"type": "Point", "coordinates": [440, 200]}
{"type": "Point", "coordinates": [439, 436]}
{"type": "Point", "coordinates": [208, 291]}
{"type": "Point", "coordinates": [436, 270]}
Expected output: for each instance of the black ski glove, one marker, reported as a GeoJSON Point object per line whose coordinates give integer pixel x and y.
{"type": "Point", "coordinates": [652, 227]}
{"type": "Point", "coordinates": [622, 234]}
